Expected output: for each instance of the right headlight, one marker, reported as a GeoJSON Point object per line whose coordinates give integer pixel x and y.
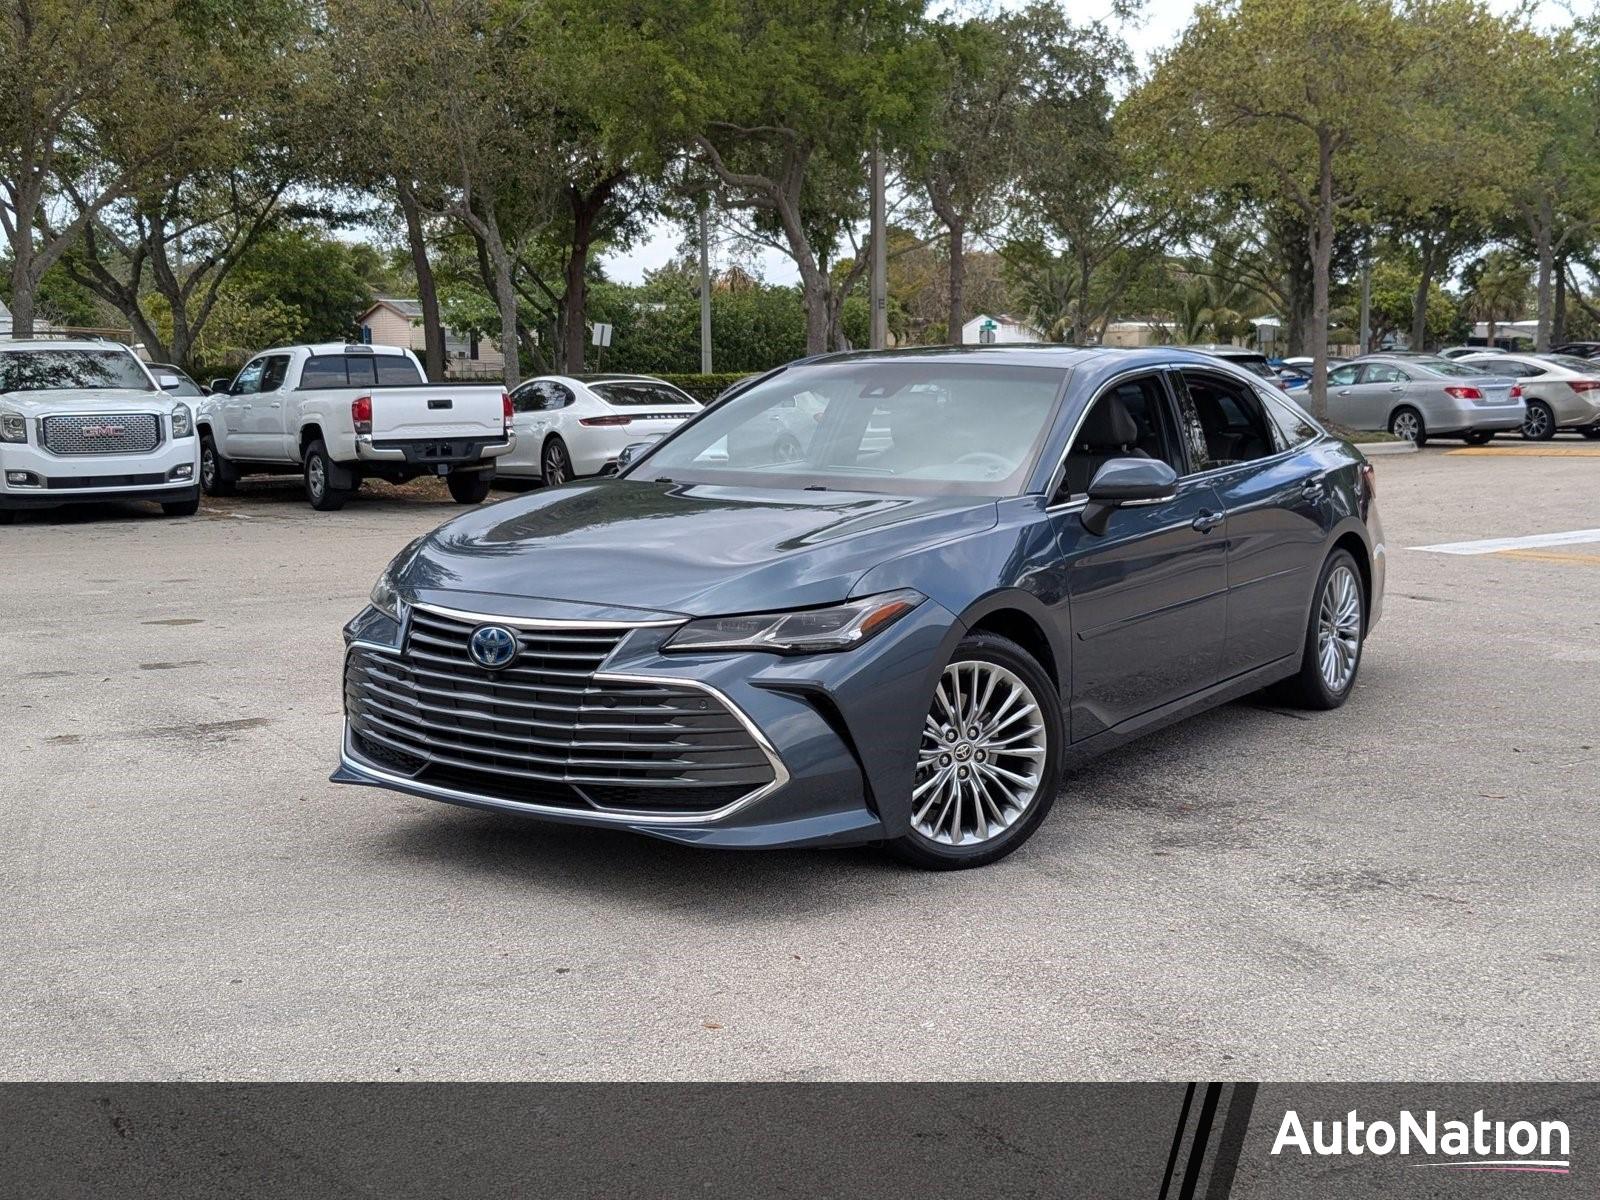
{"type": "Point", "coordinates": [798, 631]}
{"type": "Point", "coordinates": [385, 593]}
{"type": "Point", "coordinates": [13, 427]}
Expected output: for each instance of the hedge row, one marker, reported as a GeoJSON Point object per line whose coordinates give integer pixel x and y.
{"type": "Point", "coordinates": [706, 388]}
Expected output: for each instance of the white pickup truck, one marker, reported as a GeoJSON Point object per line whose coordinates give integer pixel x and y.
{"type": "Point", "coordinates": [336, 414]}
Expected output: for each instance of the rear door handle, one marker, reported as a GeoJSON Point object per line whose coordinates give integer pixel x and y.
{"type": "Point", "coordinates": [1206, 522]}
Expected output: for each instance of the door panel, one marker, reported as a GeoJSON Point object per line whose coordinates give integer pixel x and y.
{"type": "Point", "coordinates": [1148, 604]}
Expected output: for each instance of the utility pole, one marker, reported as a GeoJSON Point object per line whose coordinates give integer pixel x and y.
{"type": "Point", "coordinates": [1366, 299]}
{"type": "Point", "coordinates": [880, 253]}
{"type": "Point", "coordinates": [705, 289]}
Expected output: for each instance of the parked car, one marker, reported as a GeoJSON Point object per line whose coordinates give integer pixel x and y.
{"type": "Point", "coordinates": [1245, 359]}
{"type": "Point", "coordinates": [569, 426]}
{"type": "Point", "coordinates": [1305, 362]}
{"type": "Point", "coordinates": [1578, 349]}
{"type": "Point", "coordinates": [1294, 379]}
{"type": "Point", "coordinates": [1454, 352]}
{"type": "Point", "coordinates": [1561, 391]}
{"type": "Point", "coordinates": [1054, 551]}
{"type": "Point", "coordinates": [176, 382]}
{"type": "Point", "coordinates": [337, 414]}
{"type": "Point", "coordinates": [85, 422]}
{"type": "Point", "coordinates": [1418, 396]}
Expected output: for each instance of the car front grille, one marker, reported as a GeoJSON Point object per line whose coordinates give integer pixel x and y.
{"type": "Point", "coordinates": [545, 730]}
{"type": "Point", "coordinates": [117, 433]}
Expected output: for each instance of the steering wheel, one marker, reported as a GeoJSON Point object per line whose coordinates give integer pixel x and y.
{"type": "Point", "coordinates": [984, 458]}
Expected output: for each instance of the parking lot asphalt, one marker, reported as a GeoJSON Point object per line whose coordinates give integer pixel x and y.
{"type": "Point", "coordinates": [1408, 888]}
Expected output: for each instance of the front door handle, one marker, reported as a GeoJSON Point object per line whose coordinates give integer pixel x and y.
{"type": "Point", "coordinates": [1206, 522]}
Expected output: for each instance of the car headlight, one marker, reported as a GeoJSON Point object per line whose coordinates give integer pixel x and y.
{"type": "Point", "coordinates": [182, 421]}
{"type": "Point", "coordinates": [803, 631]}
{"type": "Point", "coordinates": [13, 427]}
{"type": "Point", "coordinates": [385, 593]}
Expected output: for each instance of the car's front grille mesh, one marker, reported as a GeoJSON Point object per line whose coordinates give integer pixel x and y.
{"type": "Point", "coordinates": [544, 729]}
{"type": "Point", "coordinates": [117, 433]}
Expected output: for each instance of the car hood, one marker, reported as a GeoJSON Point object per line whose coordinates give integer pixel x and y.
{"type": "Point", "coordinates": [679, 549]}
{"type": "Point", "coordinates": [86, 400]}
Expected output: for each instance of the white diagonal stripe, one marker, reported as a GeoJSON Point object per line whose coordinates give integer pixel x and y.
{"type": "Point", "coordinates": [1572, 537]}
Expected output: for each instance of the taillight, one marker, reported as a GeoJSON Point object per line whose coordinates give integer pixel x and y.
{"type": "Point", "coordinates": [618, 419]}
{"type": "Point", "coordinates": [505, 410]}
{"type": "Point", "coordinates": [1584, 385]}
{"type": "Point", "coordinates": [1464, 393]}
{"type": "Point", "coordinates": [361, 413]}
{"type": "Point", "coordinates": [1516, 391]}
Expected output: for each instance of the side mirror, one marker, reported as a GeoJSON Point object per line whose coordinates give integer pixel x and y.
{"type": "Point", "coordinates": [169, 383]}
{"type": "Point", "coordinates": [1123, 483]}
{"type": "Point", "coordinates": [630, 453]}
{"type": "Point", "coordinates": [221, 386]}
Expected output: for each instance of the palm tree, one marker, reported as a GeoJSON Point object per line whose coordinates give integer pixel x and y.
{"type": "Point", "coordinates": [1497, 289]}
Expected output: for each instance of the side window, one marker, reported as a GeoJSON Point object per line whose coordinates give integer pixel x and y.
{"type": "Point", "coordinates": [558, 395]}
{"type": "Point", "coordinates": [1512, 366]}
{"type": "Point", "coordinates": [524, 399]}
{"type": "Point", "coordinates": [1132, 419]}
{"type": "Point", "coordinates": [1292, 426]}
{"type": "Point", "coordinates": [1343, 376]}
{"type": "Point", "coordinates": [1232, 421]}
{"type": "Point", "coordinates": [272, 377]}
{"type": "Point", "coordinates": [323, 371]}
{"type": "Point", "coordinates": [1383, 373]}
{"type": "Point", "coordinates": [249, 381]}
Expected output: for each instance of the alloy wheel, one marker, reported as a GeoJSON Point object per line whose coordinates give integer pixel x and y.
{"type": "Point", "coordinates": [1405, 426]}
{"type": "Point", "coordinates": [316, 477]}
{"type": "Point", "coordinates": [1339, 629]}
{"type": "Point", "coordinates": [208, 467]}
{"type": "Point", "coordinates": [556, 468]}
{"type": "Point", "coordinates": [1536, 424]}
{"type": "Point", "coordinates": [982, 757]}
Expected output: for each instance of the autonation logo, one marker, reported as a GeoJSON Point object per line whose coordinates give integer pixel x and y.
{"type": "Point", "coordinates": [1476, 1145]}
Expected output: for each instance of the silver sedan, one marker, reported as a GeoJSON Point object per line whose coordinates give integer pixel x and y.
{"type": "Point", "coordinates": [1562, 391]}
{"type": "Point", "coordinates": [1418, 396]}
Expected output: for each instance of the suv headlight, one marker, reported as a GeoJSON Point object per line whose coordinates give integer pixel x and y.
{"type": "Point", "coordinates": [804, 631]}
{"type": "Point", "coordinates": [13, 427]}
{"type": "Point", "coordinates": [182, 421]}
{"type": "Point", "coordinates": [385, 593]}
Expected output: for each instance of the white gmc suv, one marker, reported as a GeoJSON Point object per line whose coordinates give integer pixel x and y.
{"type": "Point", "coordinates": [84, 422]}
{"type": "Point", "coordinates": [336, 414]}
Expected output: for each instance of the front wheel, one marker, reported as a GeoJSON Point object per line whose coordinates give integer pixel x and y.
{"type": "Point", "coordinates": [555, 463]}
{"type": "Point", "coordinates": [319, 475]}
{"type": "Point", "coordinates": [1406, 424]}
{"type": "Point", "coordinates": [1539, 424]}
{"type": "Point", "coordinates": [1478, 437]}
{"type": "Point", "coordinates": [214, 479]}
{"type": "Point", "coordinates": [1335, 633]}
{"type": "Point", "coordinates": [469, 487]}
{"type": "Point", "coordinates": [989, 764]}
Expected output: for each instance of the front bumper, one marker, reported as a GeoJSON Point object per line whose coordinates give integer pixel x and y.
{"type": "Point", "coordinates": [31, 477]}
{"type": "Point", "coordinates": [428, 454]}
{"type": "Point", "coordinates": [841, 731]}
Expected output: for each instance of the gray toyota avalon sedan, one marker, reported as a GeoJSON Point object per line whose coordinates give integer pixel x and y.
{"type": "Point", "coordinates": [882, 598]}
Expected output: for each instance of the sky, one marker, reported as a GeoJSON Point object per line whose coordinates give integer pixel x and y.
{"type": "Point", "coordinates": [1157, 27]}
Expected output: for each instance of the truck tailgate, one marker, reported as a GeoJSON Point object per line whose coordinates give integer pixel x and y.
{"type": "Point", "coordinates": [437, 411]}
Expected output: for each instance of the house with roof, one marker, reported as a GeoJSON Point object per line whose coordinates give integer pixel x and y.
{"type": "Point", "coordinates": [392, 321]}
{"type": "Point", "coordinates": [998, 330]}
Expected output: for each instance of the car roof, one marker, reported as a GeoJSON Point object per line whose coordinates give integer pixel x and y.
{"type": "Point", "coordinates": [1225, 351]}
{"type": "Point", "coordinates": [61, 344]}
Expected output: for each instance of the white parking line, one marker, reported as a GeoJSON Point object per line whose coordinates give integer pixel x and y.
{"type": "Point", "coordinates": [1572, 537]}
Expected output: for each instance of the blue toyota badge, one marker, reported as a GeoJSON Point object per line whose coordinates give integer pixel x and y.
{"type": "Point", "coordinates": [492, 646]}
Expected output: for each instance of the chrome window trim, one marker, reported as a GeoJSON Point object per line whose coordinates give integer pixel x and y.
{"type": "Point", "coordinates": [545, 622]}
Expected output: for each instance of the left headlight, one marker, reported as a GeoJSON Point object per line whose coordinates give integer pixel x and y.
{"type": "Point", "coordinates": [805, 631]}
{"type": "Point", "coordinates": [13, 427]}
{"type": "Point", "coordinates": [385, 593]}
{"type": "Point", "coordinates": [182, 421]}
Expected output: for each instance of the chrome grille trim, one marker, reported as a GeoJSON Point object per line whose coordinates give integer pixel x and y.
{"type": "Point", "coordinates": [622, 737]}
{"type": "Point", "coordinates": [70, 433]}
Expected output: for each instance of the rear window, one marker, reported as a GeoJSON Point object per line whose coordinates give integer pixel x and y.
{"type": "Point", "coordinates": [359, 370]}
{"type": "Point", "coordinates": [640, 394]}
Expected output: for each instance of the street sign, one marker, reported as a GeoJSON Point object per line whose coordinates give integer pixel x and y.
{"type": "Point", "coordinates": [602, 335]}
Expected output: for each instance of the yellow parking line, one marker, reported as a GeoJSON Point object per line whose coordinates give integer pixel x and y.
{"type": "Point", "coordinates": [1588, 560]}
{"type": "Point", "coordinates": [1535, 451]}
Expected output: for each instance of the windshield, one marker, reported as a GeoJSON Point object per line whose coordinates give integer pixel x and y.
{"type": "Point", "coordinates": [49, 370]}
{"type": "Point", "coordinates": [640, 393]}
{"type": "Point", "coordinates": [919, 428]}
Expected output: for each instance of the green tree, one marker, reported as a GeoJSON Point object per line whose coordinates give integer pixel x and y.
{"type": "Point", "coordinates": [1497, 288]}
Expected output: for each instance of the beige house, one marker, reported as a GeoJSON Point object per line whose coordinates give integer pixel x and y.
{"type": "Point", "coordinates": [394, 322]}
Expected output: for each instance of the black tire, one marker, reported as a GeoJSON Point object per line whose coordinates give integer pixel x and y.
{"type": "Point", "coordinates": [1478, 437]}
{"type": "Point", "coordinates": [1540, 423]}
{"type": "Point", "coordinates": [555, 463]}
{"type": "Point", "coordinates": [214, 472]}
{"type": "Point", "coordinates": [181, 508]}
{"type": "Point", "coordinates": [1400, 416]}
{"type": "Point", "coordinates": [469, 487]}
{"type": "Point", "coordinates": [923, 851]}
{"type": "Point", "coordinates": [319, 473]}
{"type": "Point", "coordinates": [1308, 688]}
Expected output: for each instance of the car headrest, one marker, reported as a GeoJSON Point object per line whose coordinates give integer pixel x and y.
{"type": "Point", "coordinates": [1109, 424]}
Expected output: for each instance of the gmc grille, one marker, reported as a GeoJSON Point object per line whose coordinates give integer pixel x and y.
{"type": "Point", "coordinates": [544, 730]}
{"type": "Point", "coordinates": [121, 433]}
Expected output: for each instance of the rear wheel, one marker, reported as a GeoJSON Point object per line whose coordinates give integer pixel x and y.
{"type": "Point", "coordinates": [555, 463]}
{"type": "Point", "coordinates": [1478, 437]}
{"type": "Point", "coordinates": [213, 471]}
{"type": "Point", "coordinates": [1406, 424]}
{"type": "Point", "coordinates": [988, 767]}
{"type": "Point", "coordinates": [1539, 425]}
{"type": "Point", "coordinates": [319, 476]}
{"type": "Point", "coordinates": [469, 487]}
{"type": "Point", "coordinates": [1335, 632]}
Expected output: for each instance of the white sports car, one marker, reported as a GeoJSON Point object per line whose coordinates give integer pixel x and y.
{"type": "Point", "coordinates": [573, 425]}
